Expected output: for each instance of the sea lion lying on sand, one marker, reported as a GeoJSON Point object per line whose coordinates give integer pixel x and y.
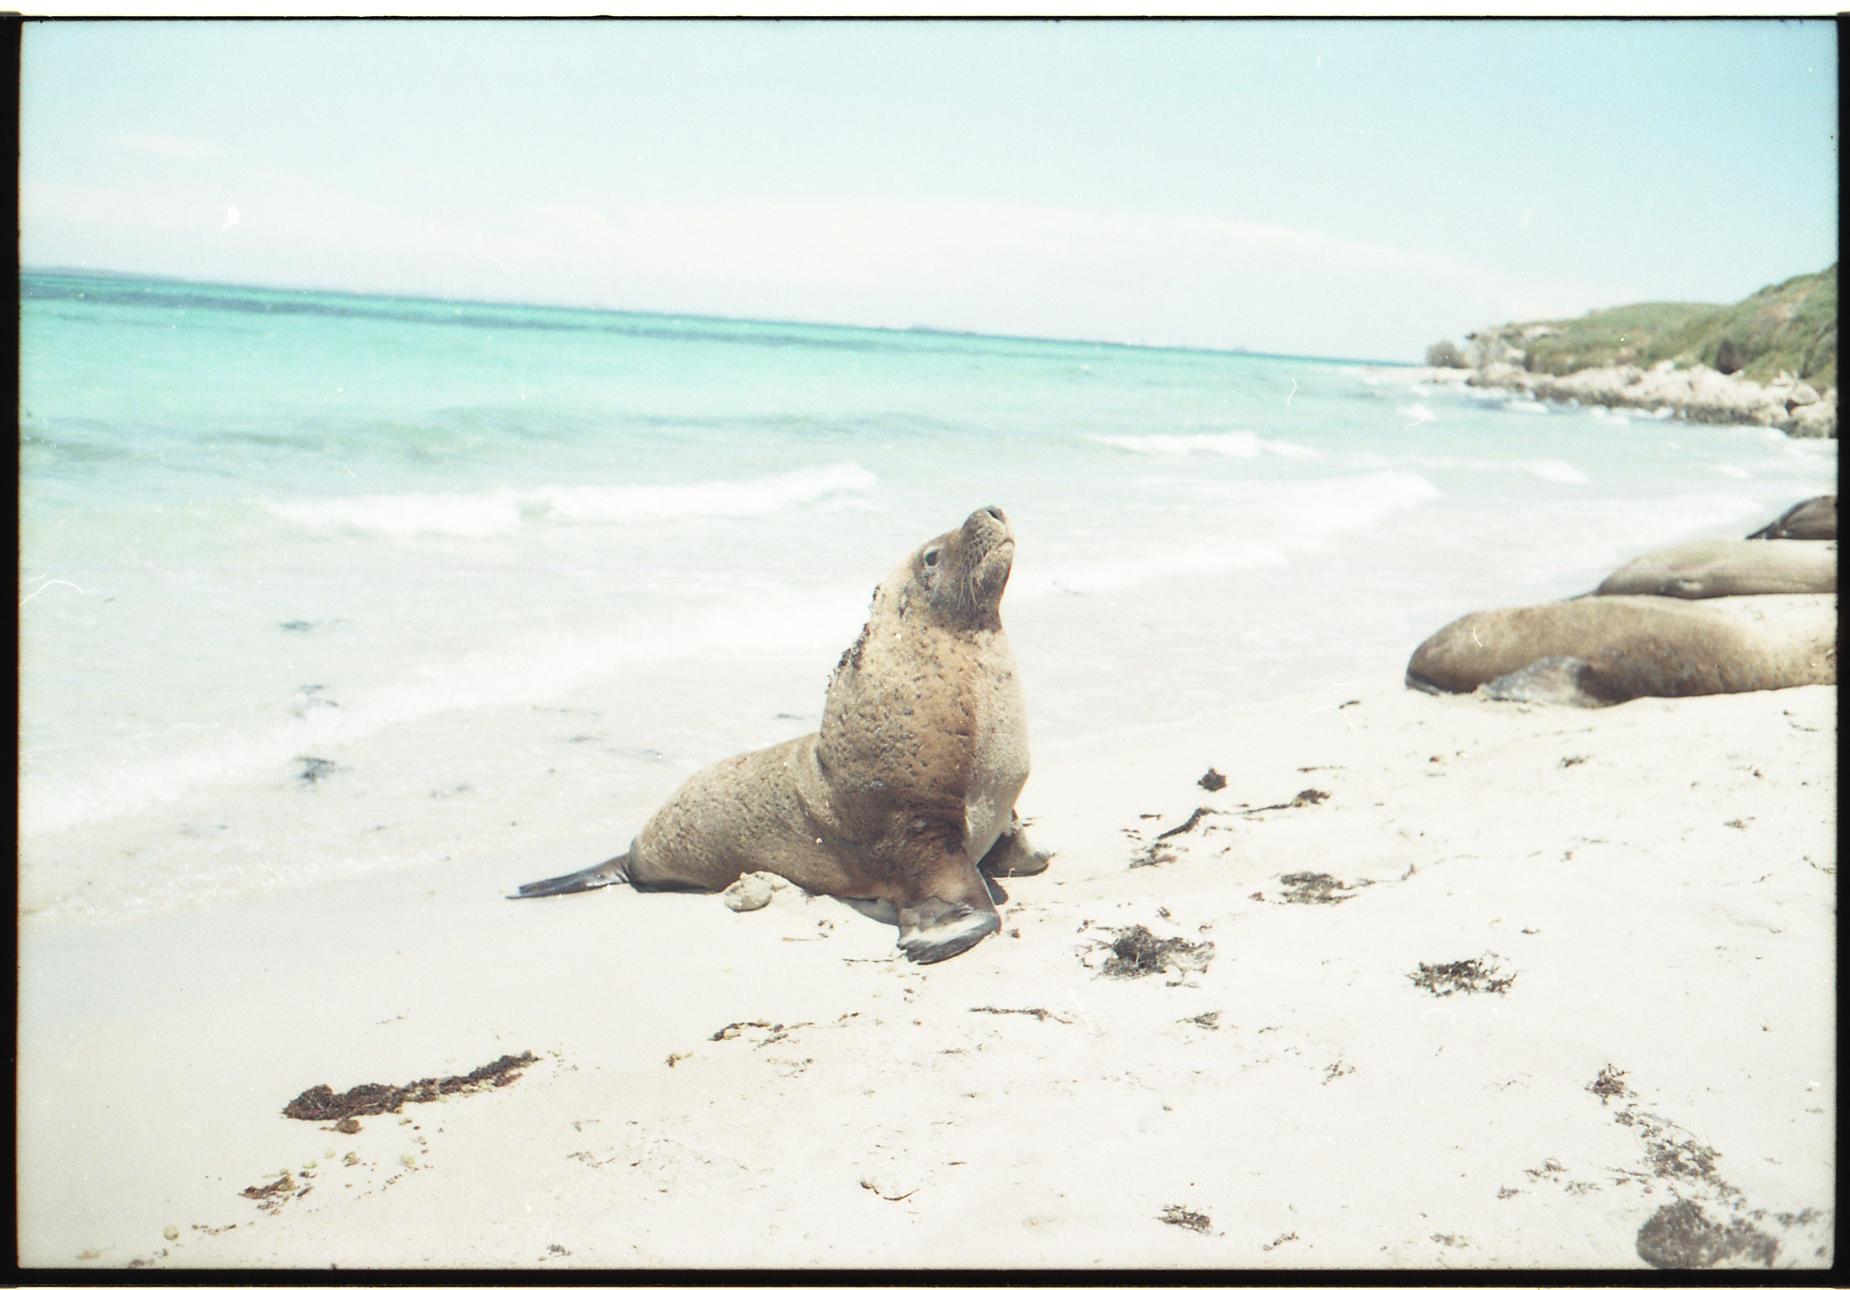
{"type": "Point", "coordinates": [1699, 570]}
{"type": "Point", "coordinates": [1814, 519]}
{"type": "Point", "coordinates": [904, 801]}
{"type": "Point", "coordinates": [1607, 649]}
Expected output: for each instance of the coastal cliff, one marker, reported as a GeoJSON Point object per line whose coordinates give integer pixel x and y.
{"type": "Point", "coordinates": [1769, 360]}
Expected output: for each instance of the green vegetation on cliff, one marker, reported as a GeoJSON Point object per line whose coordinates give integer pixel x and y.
{"type": "Point", "coordinates": [1789, 327]}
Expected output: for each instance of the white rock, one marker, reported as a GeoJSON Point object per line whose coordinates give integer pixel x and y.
{"type": "Point", "coordinates": [751, 891]}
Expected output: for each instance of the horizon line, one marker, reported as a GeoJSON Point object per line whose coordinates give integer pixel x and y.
{"type": "Point", "coordinates": [911, 330]}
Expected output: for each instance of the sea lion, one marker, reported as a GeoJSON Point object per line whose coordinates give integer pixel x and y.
{"type": "Point", "coordinates": [1608, 649]}
{"type": "Point", "coordinates": [1700, 570]}
{"type": "Point", "coordinates": [903, 802]}
{"type": "Point", "coordinates": [1813, 519]}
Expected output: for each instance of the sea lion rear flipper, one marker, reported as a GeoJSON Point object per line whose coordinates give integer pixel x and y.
{"type": "Point", "coordinates": [614, 870]}
{"type": "Point", "coordinates": [1558, 679]}
{"type": "Point", "coordinates": [1013, 855]}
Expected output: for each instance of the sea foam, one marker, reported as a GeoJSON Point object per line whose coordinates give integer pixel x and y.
{"type": "Point", "coordinates": [1265, 525]}
{"type": "Point", "coordinates": [718, 498]}
{"type": "Point", "coordinates": [1233, 443]}
{"type": "Point", "coordinates": [501, 511]}
{"type": "Point", "coordinates": [1556, 470]}
{"type": "Point", "coordinates": [404, 515]}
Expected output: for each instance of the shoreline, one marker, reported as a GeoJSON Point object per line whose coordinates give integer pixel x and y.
{"type": "Point", "coordinates": [841, 1107]}
{"type": "Point", "coordinates": [1691, 394]}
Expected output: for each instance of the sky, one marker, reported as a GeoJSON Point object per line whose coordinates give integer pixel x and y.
{"type": "Point", "coordinates": [1344, 188]}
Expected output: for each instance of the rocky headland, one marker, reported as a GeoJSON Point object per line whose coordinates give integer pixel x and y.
{"type": "Point", "coordinates": [1770, 360]}
{"type": "Point", "coordinates": [1693, 393]}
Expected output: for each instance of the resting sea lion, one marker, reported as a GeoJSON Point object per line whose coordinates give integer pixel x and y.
{"type": "Point", "coordinates": [910, 784]}
{"type": "Point", "coordinates": [1612, 648]}
{"type": "Point", "coordinates": [1699, 570]}
{"type": "Point", "coordinates": [1814, 518]}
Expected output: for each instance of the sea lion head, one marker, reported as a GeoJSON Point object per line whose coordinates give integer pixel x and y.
{"type": "Point", "coordinates": [958, 577]}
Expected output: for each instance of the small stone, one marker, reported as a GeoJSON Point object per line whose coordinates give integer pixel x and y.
{"type": "Point", "coordinates": [171, 1232]}
{"type": "Point", "coordinates": [348, 1125]}
{"type": "Point", "coordinates": [750, 892]}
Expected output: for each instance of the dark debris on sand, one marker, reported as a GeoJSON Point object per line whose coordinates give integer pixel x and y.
{"type": "Point", "coordinates": [1610, 1082]}
{"type": "Point", "coordinates": [1201, 813]}
{"type": "Point", "coordinates": [323, 1103]}
{"type": "Point", "coordinates": [269, 1191]}
{"type": "Point", "coordinates": [1680, 1235]}
{"type": "Point", "coordinates": [1135, 951]}
{"type": "Point", "coordinates": [1304, 797]}
{"type": "Point", "coordinates": [1308, 888]}
{"type": "Point", "coordinates": [1467, 976]}
{"type": "Point", "coordinates": [1176, 1216]}
{"type": "Point", "coordinates": [315, 769]}
{"type": "Point", "coordinates": [1039, 1014]}
{"type": "Point", "coordinates": [1213, 781]}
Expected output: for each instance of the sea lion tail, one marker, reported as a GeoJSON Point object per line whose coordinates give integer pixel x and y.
{"type": "Point", "coordinates": [614, 870]}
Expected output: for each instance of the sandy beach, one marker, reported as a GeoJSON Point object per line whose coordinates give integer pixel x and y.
{"type": "Point", "coordinates": [1430, 983]}
{"type": "Point", "coordinates": [448, 451]}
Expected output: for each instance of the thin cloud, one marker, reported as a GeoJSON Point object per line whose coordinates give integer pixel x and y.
{"type": "Point", "coordinates": [1022, 269]}
{"type": "Point", "coordinates": [172, 147]}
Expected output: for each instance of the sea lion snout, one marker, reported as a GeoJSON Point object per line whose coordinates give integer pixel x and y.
{"type": "Point", "coordinates": [987, 543]}
{"type": "Point", "coordinates": [986, 530]}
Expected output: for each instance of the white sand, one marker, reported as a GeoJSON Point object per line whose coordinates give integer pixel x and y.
{"type": "Point", "coordinates": [1658, 878]}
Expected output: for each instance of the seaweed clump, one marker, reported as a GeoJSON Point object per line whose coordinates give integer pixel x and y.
{"type": "Point", "coordinates": [1136, 951]}
{"type": "Point", "coordinates": [1317, 889]}
{"type": "Point", "coordinates": [323, 1103]}
{"type": "Point", "coordinates": [1467, 976]}
{"type": "Point", "coordinates": [1680, 1235]}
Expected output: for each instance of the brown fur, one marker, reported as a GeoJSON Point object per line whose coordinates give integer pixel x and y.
{"type": "Point", "coordinates": [1701, 570]}
{"type": "Point", "coordinates": [1813, 519]}
{"type": "Point", "coordinates": [1634, 646]}
{"type": "Point", "coordinates": [909, 783]}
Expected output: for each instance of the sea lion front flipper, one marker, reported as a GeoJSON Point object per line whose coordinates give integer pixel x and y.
{"type": "Point", "coordinates": [952, 912]}
{"type": "Point", "coordinates": [612, 871]}
{"type": "Point", "coordinates": [934, 930]}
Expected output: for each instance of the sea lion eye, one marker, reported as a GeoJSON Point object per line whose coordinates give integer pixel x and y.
{"type": "Point", "coordinates": [931, 557]}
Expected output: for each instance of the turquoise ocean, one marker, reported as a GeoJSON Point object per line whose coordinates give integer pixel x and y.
{"type": "Point", "coordinates": [313, 584]}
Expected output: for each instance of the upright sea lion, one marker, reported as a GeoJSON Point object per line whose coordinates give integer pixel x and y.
{"type": "Point", "coordinates": [908, 787]}
{"type": "Point", "coordinates": [1815, 519]}
{"type": "Point", "coordinates": [1612, 648]}
{"type": "Point", "coordinates": [1700, 570]}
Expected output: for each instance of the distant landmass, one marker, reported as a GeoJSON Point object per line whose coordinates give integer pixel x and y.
{"type": "Point", "coordinates": [1770, 359]}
